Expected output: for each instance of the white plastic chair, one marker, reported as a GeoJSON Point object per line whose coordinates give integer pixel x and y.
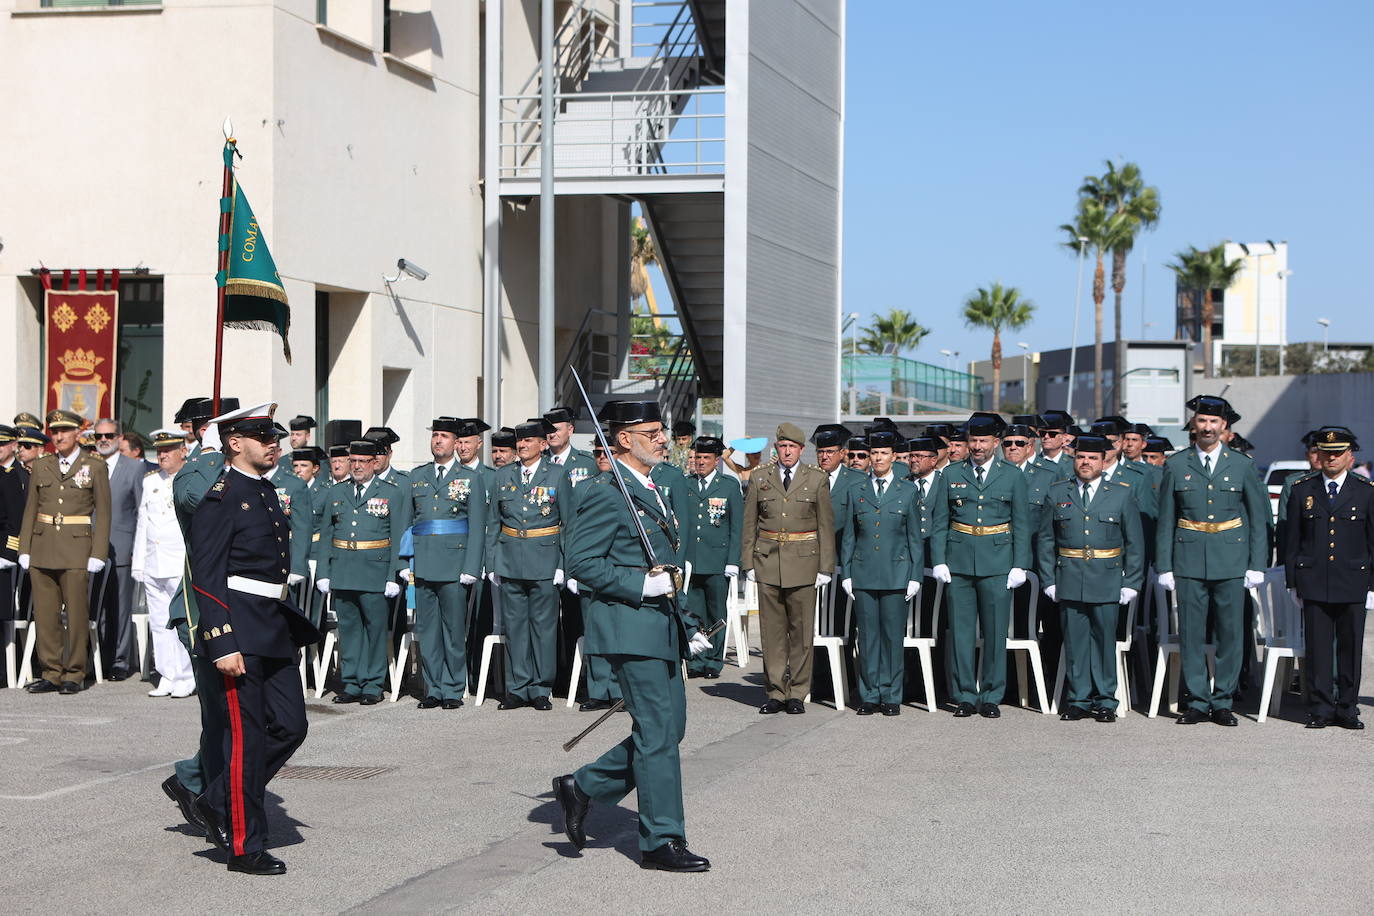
{"type": "Point", "coordinates": [830, 636]}
{"type": "Point", "coordinates": [139, 617]}
{"type": "Point", "coordinates": [489, 644]}
{"type": "Point", "coordinates": [1030, 645]}
{"type": "Point", "coordinates": [22, 620]}
{"type": "Point", "coordinates": [1280, 638]}
{"type": "Point", "coordinates": [924, 642]}
{"type": "Point", "coordinates": [1167, 661]}
{"type": "Point", "coordinates": [737, 610]}
{"type": "Point", "coordinates": [96, 591]}
{"type": "Point", "coordinates": [329, 652]}
{"type": "Point", "coordinates": [1125, 687]}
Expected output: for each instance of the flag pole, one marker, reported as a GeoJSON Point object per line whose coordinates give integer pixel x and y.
{"type": "Point", "coordinates": [225, 225]}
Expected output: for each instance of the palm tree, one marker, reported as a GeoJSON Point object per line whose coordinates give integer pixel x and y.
{"type": "Point", "coordinates": [1126, 196]}
{"type": "Point", "coordinates": [1202, 271]}
{"type": "Point", "coordinates": [642, 254]}
{"type": "Point", "coordinates": [897, 329]}
{"type": "Point", "coordinates": [995, 308]}
{"type": "Point", "coordinates": [1103, 232]}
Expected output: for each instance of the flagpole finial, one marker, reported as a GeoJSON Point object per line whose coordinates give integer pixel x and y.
{"type": "Point", "coordinates": [228, 129]}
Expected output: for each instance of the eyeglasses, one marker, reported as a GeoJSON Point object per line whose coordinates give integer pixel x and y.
{"type": "Point", "coordinates": [107, 435]}
{"type": "Point", "coordinates": [1016, 443]}
{"type": "Point", "coordinates": [649, 433]}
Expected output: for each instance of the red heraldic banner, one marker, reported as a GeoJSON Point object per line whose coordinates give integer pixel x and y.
{"type": "Point", "coordinates": [79, 357]}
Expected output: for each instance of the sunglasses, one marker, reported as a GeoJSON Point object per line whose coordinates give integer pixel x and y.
{"type": "Point", "coordinates": [1016, 443]}
{"type": "Point", "coordinates": [107, 435]}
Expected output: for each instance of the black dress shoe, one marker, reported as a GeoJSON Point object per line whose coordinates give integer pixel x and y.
{"type": "Point", "coordinates": [989, 711]}
{"type": "Point", "coordinates": [592, 704]}
{"type": "Point", "coordinates": [891, 709]}
{"type": "Point", "coordinates": [772, 707]}
{"type": "Point", "coordinates": [118, 674]}
{"type": "Point", "coordinates": [369, 699]}
{"type": "Point", "coordinates": [346, 697]}
{"type": "Point", "coordinates": [693, 675]}
{"type": "Point", "coordinates": [1191, 716]}
{"type": "Point", "coordinates": [216, 831]}
{"type": "Point", "coordinates": [1074, 714]}
{"type": "Point", "coordinates": [1315, 721]}
{"type": "Point", "coordinates": [41, 686]}
{"type": "Point", "coordinates": [257, 863]}
{"type": "Point", "coordinates": [542, 704]}
{"type": "Point", "coordinates": [428, 703]}
{"type": "Point", "coordinates": [674, 856]}
{"type": "Point", "coordinates": [452, 704]}
{"type": "Point", "coordinates": [795, 707]}
{"type": "Point", "coordinates": [575, 803]}
{"type": "Point", "coordinates": [1104, 715]}
{"type": "Point", "coordinates": [512, 703]}
{"type": "Point", "coordinates": [1224, 717]}
{"type": "Point", "coordinates": [1353, 723]}
{"type": "Point", "coordinates": [186, 801]}
{"type": "Point", "coordinates": [963, 710]}
{"type": "Point", "coordinates": [711, 675]}
{"type": "Point", "coordinates": [69, 687]}
{"type": "Point", "coordinates": [866, 709]}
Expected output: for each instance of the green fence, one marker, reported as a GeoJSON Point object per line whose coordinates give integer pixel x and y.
{"type": "Point", "coordinates": [933, 388]}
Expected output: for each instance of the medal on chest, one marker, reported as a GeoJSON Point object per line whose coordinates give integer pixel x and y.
{"type": "Point", "coordinates": [379, 507]}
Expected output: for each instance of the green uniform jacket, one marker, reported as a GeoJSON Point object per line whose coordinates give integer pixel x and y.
{"type": "Point", "coordinates": [189, 487]}
{"type": "Point", "coordinates": [935, 492]}
{"type": "Point", "coordinates": [1061, 469]}
{"type": "Point", "coordinates": [1281, 525]}
{"type": "Point", "coordinates": [459, 496]}
{"type": "Point", "coordinates": [294, 496]}
{"type": "Point", "coordinates": [881, 547]}
{"type": "Point", "coordinates": [83, 490]}
{"type": "Point", "coordinates": [839, 501]}
{"type": "Point", "coordinates": [383, 513]}
{"type": "Point", "coordinates": [540, 504]}
{"type": "Point", "coordinates": [607, 559]}
{"type": "Point", "coordinates": [580, 466]}
{"type": "Point", "coordinates": [1001, 500]}
{"type": "Point", "coordinates": [1112, 521]}
{"type": "Point", "coordinates": [805, 506]}
{"type": "Point", "coordinates": [1038, 482]}
{"type": "Point", "coordinates": [672, 487]}
{"type": "Point", "coordinates": [1234, 492]}
{"type": "Point", "coordinates": [712, 524]}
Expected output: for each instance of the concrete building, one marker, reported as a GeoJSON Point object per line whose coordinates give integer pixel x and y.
{"type": "Point", "coordinates": [1253, 312]}
{"type": "Point", "coordinates": [378, 129]}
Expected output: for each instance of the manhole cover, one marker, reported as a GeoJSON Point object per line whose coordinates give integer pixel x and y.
{"type": "Point", "coordinates": [304, 772]}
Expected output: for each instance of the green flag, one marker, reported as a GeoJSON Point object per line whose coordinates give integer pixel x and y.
{"type": "Point", "coordinates": [253, 294]}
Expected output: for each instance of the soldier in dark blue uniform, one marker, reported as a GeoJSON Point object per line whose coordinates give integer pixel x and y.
{"type": "Point", "coordinates": [239, 551]}
{"type": "Point", "coordinates": [1329, 566]}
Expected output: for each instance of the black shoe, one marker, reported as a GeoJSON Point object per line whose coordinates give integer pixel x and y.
{"type": "Point", "coordinates": [346, 697]}
{"type": "Point", "coordinates": [257, 863]}
{"type": "Point", "coordinates": [1191, 716]}
{"type": "Point", "coordinates": [215, 829]}
{"type": "Point", "coordinates": [1351, 722]}
{"type": "Point", "coordinates": [1104, 715]}
{"type": "Point", "coordinates": [692, 675]}
{"type": "Point", "coordinates": [70, 687]}
{"type": "Point", "coordinates": [178, 793]}
{"type": "Point", "coordinates": [452, 704]}
{"type": "Point", "coordinates": [118, 674]}
{"type": "Point", "coordinates": [575, 803]}
{"type": "Point", "coordinates": [1074, 714]}
{"type": "Point", "coordinates": [866, 709]}
{"type": "Point", "coordinates": [964, 710]}
{"type": "Point", "coordinates": [891, 709]}
{"type": "Point", "coordinates": [542, 704]}
{"type": "Point", "coordinates": [1316, 721]}
{"type": "Point", "coordinates": [369, 699]}
{"type": "Point", "coordinates": [591, 704]}
{"type": "Point", "coordinates": [1224, 717]}
{"type": "Point", "coordinates": [772, 707]}
{"type": "Point", "coordinates": [674, 856]}
{"type": "Point", "coordinates": [989, 711]}
{"type": "Point", "coordinates": [711, 675]}
{"type": "Point", "coordinates": [795, 707]}
{"type": "Point", "coordinates": [41, 686]}
{"type": "Point", "coordinates": [428, 703]}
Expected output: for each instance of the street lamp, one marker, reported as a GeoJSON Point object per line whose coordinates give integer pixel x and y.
{"type": "Point", "coordinates": [1025, 375]}
{"type": "Point", "coordinates": [1283, 314]}
{"type": "Point", "coordinates": [1259, 277]}
{"type": "Point", "coordinates": [949, 358]}
{"type": "Point", "coordinates": [1326, 333]}
{"type": "Point", "coordinates": [1073, 345]}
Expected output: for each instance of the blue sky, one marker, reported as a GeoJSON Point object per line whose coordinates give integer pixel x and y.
{"type": "Point", "coordinates": [970, 126]}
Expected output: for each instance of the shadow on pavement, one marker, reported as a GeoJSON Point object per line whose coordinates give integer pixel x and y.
{"type": "Point", "coordinates": [607, 828]}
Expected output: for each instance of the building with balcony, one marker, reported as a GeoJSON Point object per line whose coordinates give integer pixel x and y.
{"type": "Point", "coordinates": [1252, 314]}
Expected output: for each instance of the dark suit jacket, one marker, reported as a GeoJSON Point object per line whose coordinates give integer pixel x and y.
{"type": "Point", "coordinates": [126, 492]}
{"type": "Point", "coordinates": [1342, 574]}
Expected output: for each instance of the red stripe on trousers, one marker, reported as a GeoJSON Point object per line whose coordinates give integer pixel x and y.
{"type": "Point", "coordinates": [235, 765]}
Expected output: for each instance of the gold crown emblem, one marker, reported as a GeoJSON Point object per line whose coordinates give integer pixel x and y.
{"type": "Point", "coordinates": [80, 363]}
{"type": "Point", "coordinates": [1331, 435]}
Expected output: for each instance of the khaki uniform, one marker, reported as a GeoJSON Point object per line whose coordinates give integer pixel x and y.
{"type": "Point", "coordinates": [66, 523]}
{"type": "Point", "coordinates": [788, 539]}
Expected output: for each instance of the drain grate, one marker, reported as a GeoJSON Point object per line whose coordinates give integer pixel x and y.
{"type": "Point", "coordinates": [332, 773]}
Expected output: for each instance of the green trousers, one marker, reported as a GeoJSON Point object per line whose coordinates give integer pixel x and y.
{"type": "Point", "coordinates": [706, 603]}
{"type": "Point", "coordinates": [647, 761]}
{"type": "Point", "coordinates": [441, 629]}
{"type": "Point", "coordinates": [199, 770]}
{"type": "Point", "coordinates": [1090, 654]}
{"type": "Point", "coordinates": [1223, 601]}
{"type": "Point", "coordinates": [529, 620]}
{"type": "Point", "coordinates": [363, 635]}
{"type": "Point", "coordinates": [881, 625]}
{"type": "Point", "coordinates": [978, 602]}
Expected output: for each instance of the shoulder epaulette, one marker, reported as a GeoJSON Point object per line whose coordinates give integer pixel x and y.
{"type": "Point", "coordinates": [147, 474]}
{"type": "Point", "coordinates": [218, 487]}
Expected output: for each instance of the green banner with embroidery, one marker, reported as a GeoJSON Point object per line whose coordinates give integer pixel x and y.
{"type": "Point", "coordinates": [254, 297]}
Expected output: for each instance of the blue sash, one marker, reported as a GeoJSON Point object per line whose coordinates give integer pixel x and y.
{"type": "Point", "coordinates": [441, 526]}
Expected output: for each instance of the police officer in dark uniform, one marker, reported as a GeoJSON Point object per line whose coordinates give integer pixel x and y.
{"type": "Point", "coordinates": [13, 487]}
{"type": "Point", "coordinates": [239, 553]}
{"type": "Point", "coordinates": [1329, 566]}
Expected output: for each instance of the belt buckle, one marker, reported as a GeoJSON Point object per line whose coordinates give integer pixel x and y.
{"type": "Point", "coordinates": [1088, 554]}
{"type": "Point", "coordinates": [57, 519]}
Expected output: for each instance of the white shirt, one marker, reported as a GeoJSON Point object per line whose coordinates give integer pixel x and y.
{"type": "Point", "coordinates": [272, 474]}
{"type": "Point", "coordinates": [886, 479]}
{"type": "Point", "coordinates": [442, 469]}
{"type": "Point", "coordinates": [528, 472]}
{"type": "Point", "coordinates": [1092, 487]}
{"type": "Point", "coordinates": [705, 482]}
{"type": "Point", "coordinates": [986, 466]}
{"type": "Point", "coordinates": [563, 456]}
{"type": "Point", "coordinates": [929, 479]}
{"type": "Point", "coordinates": [1109, 471]}
{"type": "Point", "coordinates": [65, 462]}
{"type": "Point", "coordinates": [381, 475]}
{"type": "Point", "coordinates": [474, 464]}
{"type": "Point", "coordinates": [111, 461]}
{"type": "Point", "coordinates": [647, 484]}
{"type": "Point", "coordinates": [1339, 480]}
{"type": "Point", "coordinates": [1203, 454]}
{"type": "Point", "coordinates": [835, 476]}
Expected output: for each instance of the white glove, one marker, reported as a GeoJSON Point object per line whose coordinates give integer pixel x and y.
{"type": "Point", "coordinates": [464, 579]}
{"type": "Point", "coordinates": [848, 586]}
{"type": "Point", "coordinates": [1369, 602]}
{"type": "Point", "coordinates": [494, 579]}
{"type": "Point", "coordinates": [698, 644]}
{"type": "Point", "coordinates": [1127, 596]}
{"type": "Point", "coordinates": [391, 589]}
{"type": "Point", "coordinates": [657, 584]}
{"type": "Point", "coordinates": [409, 575]}
{"type": "Point", "coordinates": [322, 586]}
{"type": "Point", "coordinates": [24, 560]}
{"type": "Point", "coordinates": [940, 573]}
{"type": "Point", "coordinates": [912, 590]}
{"type": "Point", "coordinates": [1254, 578]}
{"type": "Point", "coordinates": [292, 580]}
{"type": "Point", "coordinates": [558, 577]}
{"type": "Point", "coordinates": [1166, 581]}
{"type": "Point", "coordinates": [1016, 578]}
{"type": "Point", "coordinates": [1051, 591]}
{"type": "Point", "coordinates": [732, 572]}
{"type": "Point", "coordinates": [94, 566]}
{"type": "Point", "coordinates": [822, 579]}
{"type": "Point", "coordinates": [749, 575]}
{"type": "Point", "coordinates": [571, 585]}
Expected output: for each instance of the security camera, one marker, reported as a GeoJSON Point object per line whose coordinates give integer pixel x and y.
{"type": "Point", "coordinates": [411, 269]}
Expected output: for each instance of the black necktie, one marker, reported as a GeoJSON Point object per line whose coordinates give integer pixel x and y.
{"type": "Point", "coordinates": [922, 484]}
{"type": "Point", "coordinates": [1207, 465]}
{"type": "Point", "coordinates": [1331, 490]}
{"type": "Point", "coordinates": [786, 478]}
{"type": "Point", "coordinates": [1085, 496]}
{"type": "Point", "coordinates": [701, 481]}
{"type": "Point", "coordinates": [978, 473]}
{"type": "Point", "coordinates": [881, 483]}
{"type": "Point", "coordinates": [359, 494]}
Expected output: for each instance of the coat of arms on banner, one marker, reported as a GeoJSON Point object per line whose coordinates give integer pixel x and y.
{"type": "Point", "coordinates": [80, 388]}
{"type": "Point", "coordinates": [379, 506]}
{"type": "Point", "coordinates": [459, 489]}
{"type": "Point", "coordinates": [715, 509]}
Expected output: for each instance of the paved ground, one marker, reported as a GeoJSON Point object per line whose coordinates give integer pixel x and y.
{"type": "Point", "coordinates": [800, 814]}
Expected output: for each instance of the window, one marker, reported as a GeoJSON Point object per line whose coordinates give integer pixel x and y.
{"type": "Point", "coordinates": [71, 4]}
{"type": "Point", "coordinates": [409, 35]}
